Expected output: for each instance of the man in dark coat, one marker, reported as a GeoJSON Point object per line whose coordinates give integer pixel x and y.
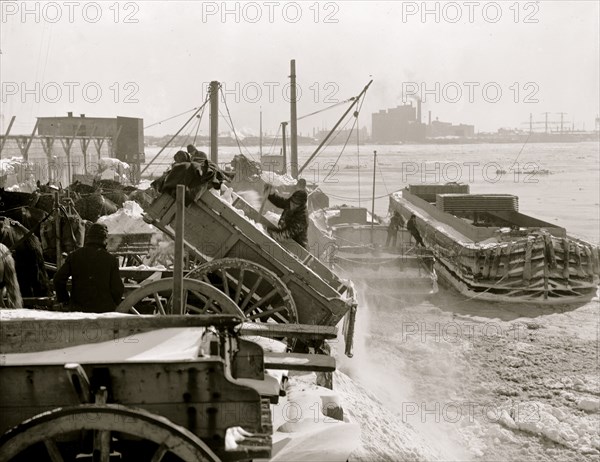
{"type": "Point", "coordinates": [96, 283]}
{"type": "Point", "coordinates": [396, 222]}
{"type": "Point", "coordinates": [412, 227]}
{"type": "Point", "coordinates": [293, 223]}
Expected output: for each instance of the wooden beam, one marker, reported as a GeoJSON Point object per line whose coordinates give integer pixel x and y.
{"type": "Point", "coordinates": [66, 144]}
{"type": "Point", "coordinates": [299, 362]}
{"type": "Point", "coordinates": [178, 307]}
{"type": "Point", "coordinates": [12, 120]}
{"type": "Point", "coordinates": [300, 331]}
{"type": "Point", "coordinates": [65, 330]}
{"type": "Point", "coordinates": [25, 154]}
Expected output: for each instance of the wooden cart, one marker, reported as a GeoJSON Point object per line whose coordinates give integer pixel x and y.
{"type": "Point", "coordinates": [92, 394]}
{"type": "Point", "coordinates": [267, 280]}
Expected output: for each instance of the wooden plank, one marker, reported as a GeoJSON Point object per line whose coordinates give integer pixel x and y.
{"type": "Point", "coordinates": [496, 262]}
{"type": "Point", "coordinates": [566, 258]}
{"type": "Point", "coordinates": [299, 331]}
{"type": "Point", "coordinates": [299, 362]}
{"type": "Point", "coordinates": [3, 140]}
{"type": "Point", "coordinates": [27, 335]}
{"type": "Point", "coordinates": [527, 264]}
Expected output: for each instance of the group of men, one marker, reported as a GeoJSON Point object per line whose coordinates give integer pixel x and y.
{"type": "Point", "coordinates": [96, 285]}
{"type": "Point", "coordinates": [396, 223]}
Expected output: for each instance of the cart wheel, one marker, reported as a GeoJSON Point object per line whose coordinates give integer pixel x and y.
{"type": "Point", "coordinates": [199, 298]}
{"type": "Point", "coordinates": [47, 429]}
{"type": "Point", "coordinates": [257, 291]}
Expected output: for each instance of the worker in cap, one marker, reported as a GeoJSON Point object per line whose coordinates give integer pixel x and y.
{"type": "Point", "coordinates": [293, 223]}
{"type": "Point", "coordinates": [181, 156]}
{"type": "Point", "coordinates": [196, 155]}
{"type": "Point", "coordinates": [96, 285]}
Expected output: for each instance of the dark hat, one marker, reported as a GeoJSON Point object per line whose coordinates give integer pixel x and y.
{"type": "Point", "coordinates": [191, 149]}
{"type": "Point", "coordinates": [299, 197]}
{"type": "Point", "coordinates": [181, 156]}
{"type": "Point", "coordinates": [199, 155]}
{"type": "Point", "coordinates": [97, 234]}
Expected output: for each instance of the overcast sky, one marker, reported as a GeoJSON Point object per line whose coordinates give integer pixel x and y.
{"type": "Point", "coordinates": [153, 60]}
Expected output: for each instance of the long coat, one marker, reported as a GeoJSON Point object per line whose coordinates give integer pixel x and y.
{"type": "Point", "coordinates": [96, 283]}
{"type": "Point", "coordinates": [293, 224]}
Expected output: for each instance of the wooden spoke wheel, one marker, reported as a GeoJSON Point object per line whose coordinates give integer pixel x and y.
{"type": "Point", "coordinates": [198, 298]}
{"type": "Point", "coordinates": [257, 291]}
{"type": "Point", "coordinates": [154, 437]}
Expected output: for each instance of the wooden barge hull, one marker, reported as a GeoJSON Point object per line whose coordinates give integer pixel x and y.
{"type": "Point", "coordinates": [359, 252]}
{"type": "Point", "coordinates": [544, 267]}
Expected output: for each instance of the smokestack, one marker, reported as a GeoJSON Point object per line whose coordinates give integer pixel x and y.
{"type": "Point", "coordinates": [69, 114]}
{"type": "Point", "coordinates": [419, 110]}
{"type": "Point", "coordinates": [429, 117]}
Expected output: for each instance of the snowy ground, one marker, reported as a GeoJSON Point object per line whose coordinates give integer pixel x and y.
{"type": "Point", "coordinates": [477, 381]}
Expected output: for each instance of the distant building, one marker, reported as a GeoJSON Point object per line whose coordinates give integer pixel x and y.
{"type": "Point", "coordinates": [340, 136]}
{"type": "Point", "coordinates": [126, 133]}
{"type": "Point", "coordinates": [399, 124]}
{"type": "Point", "coordinates": [437, 129]}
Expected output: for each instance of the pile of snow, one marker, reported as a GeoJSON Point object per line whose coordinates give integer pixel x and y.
{"type": "Point", "coordinates": [128, 220]}
{"type": "Point", "coordinates": [18, 175]}
{"type": "Point", "coordinates": [162, 252]}
{"type": "Point", "coordinates": [561, 426]}
{"type": "Point", "coordinates": [113, 169]}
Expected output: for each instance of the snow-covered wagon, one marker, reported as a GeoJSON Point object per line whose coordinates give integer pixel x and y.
{"type": "Point", "coordinates": [111, 386]}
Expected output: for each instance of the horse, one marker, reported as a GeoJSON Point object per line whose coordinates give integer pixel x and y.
{"type": "Point", "coordinates": [29, 258]}
{"type": "Point", "coordinates": [13, 199]}
{"type": "Point", "coordinates": [9, 284]}
{"type": "Point", "coordinates": [92, 206]}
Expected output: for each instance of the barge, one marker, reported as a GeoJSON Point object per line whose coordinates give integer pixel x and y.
{"type": "Point", "coordinates": [486, 249]}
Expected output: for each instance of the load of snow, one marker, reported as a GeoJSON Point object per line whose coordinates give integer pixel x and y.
{"type": "Point", "coordinates": [110, 168]}
{"type": "Point", "coordinates": [278, 180]}
{"type": "Point", "coordinates": [18, 175]}
{"type": "Point", "coordinates": [127, 220]}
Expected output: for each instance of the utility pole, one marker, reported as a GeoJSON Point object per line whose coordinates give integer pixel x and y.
{"type": "Point", "coordinates": [546, 114]}
{"type": "Point", "coordinates": [293, 121]}
{"type": "Point", "coordinates": [562, 114]}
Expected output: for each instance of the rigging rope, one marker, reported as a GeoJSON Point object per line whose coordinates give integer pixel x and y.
{"type": "Point", "coordinates": [323, 110]}
{"type": "Point", "coordinates": [175, 135]}
{"type": "Point", "coordinates": [173, 117]}
{"type": "Point", "coordinates": [355, 115]}
{"type": "Point", "coordinates": [231, 125]}
{"type": "Point", "coordinates": [198, 127]}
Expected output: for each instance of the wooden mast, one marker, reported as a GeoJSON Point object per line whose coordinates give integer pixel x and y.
{"type": "Point", "coordinates": [260, 134]}
{"type": "Point", "coordinates": [214, 121]}
{"type": "Point", "coordinates": [284, 140]}
{"type": "Point", "coordinates": [293, 122]}
{"type": "Point", "coordinates": [373, 198]}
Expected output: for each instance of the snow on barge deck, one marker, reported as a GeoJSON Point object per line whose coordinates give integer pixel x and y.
{"type": "Point", "coordinates": [486, 249]}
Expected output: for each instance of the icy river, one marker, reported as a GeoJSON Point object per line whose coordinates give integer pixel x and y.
{"type": "Point", "coordinates": [447, 378]}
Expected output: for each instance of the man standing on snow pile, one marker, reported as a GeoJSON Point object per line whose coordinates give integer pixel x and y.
{"type": "Point", "coordinates": [293, 223]}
